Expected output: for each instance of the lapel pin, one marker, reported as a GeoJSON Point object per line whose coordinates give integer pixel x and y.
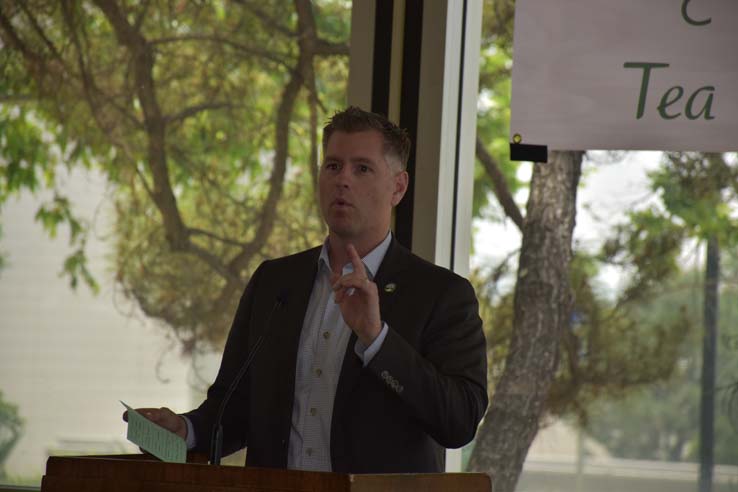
{"type": "Point", "coordinates": [390, 287]}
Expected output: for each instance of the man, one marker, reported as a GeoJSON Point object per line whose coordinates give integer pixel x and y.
{"type": "Point", "coordinates": [375, 359]}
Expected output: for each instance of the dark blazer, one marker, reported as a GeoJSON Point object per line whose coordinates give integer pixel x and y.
{"type": "Point", "coordinates": [424, 390]}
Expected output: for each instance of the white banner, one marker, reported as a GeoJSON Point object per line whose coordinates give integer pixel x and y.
{"type": "Point", "coordinates": [626, 74]}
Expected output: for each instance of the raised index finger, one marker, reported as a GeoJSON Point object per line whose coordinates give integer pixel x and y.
{"type": "Point", "coordinates": [355, 260]}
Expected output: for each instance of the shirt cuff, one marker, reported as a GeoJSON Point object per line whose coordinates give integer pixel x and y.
{"type": "Point", "coordinates": [190, 441]}
{"type": "Point", "coordinates": [366, 354]}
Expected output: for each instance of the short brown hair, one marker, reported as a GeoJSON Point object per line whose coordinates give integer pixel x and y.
{"type": "Point", "coordinates": [353, 119]}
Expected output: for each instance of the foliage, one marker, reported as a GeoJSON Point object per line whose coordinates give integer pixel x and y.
{"type": "Point", "coordinates": [31, 157]}
{"type": "Point", "coordinates": [202, 116]}
{"type": "Point", "coordinates": [697, 195]}
{"type": "Point", "coordinates": [11, 427]}
{"type": "Point", "coordinates": [606, 351]}
{"type": "Point", "coordinates": [697, 189]}
{"type": "Point", "coordinates": [190, 111]}
{"type": "Point", "coordinates": [661, 421]}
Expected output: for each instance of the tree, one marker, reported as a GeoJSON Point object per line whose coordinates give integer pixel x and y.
{"type": "Point", "coordinates": [605, 351]}
{"type": "Point", "coordinates": [660, 421]}
{"type": "Point", "coordinates": [11, 428]}
{"type": "Point", "coordinates": [169, 100]}
{"type": "Point", "coordinates": [187, 108]}
{"type": "Point", "coordinates": [597, 358]}
{"type": "Point", "coordinates": [542, 299]}
{"type": "Point", "coordinates": [541, 313]}
{"type": "Point", "coordinates": [696, 192]}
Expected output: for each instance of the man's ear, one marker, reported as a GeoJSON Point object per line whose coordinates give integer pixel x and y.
{"type": "Point", "coordinates": [401, 182]}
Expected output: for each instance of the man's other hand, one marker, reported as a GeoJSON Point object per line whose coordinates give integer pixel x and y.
{"type": "Point", "coordinates": [163, 417]}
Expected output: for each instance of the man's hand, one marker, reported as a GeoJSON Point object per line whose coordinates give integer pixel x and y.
{"type": "Point", "coordinates": [358, 300]}
{"type": "Point", "coordinates": [163, 417]}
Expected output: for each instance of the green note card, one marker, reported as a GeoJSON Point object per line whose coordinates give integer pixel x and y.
{"type": "Point", "coordinates": [154, 439]}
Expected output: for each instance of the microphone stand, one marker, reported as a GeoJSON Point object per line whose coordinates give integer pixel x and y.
{"type": "Point", "coordinates": [216, 441]}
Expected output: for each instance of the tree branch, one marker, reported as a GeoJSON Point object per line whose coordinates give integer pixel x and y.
{"type": "Point", "coordinates": [313, 103]}
{"type": "Point", "coordinates": [11, 38]}
{"type": "Point", "coordinates": [266, 19]}
{"type": "Point", "coordinates": [41, 71]}
{"type": "Point", "coordinates": [17, 98]}
{"type": "Point", "coordinates": [216, 264]}
{"type": "Point", "coordinates": [313, 160]}
{"type": "Point", "coordinates": [87, 81]}
{"type": "Point", "coordinates": [193, 110]}
{"type": "Point", "coordinates": [182, 156]}
{"type": "Point", "coordinates": [214, 38]}
{"type": "Point", "coordinates": [502, 192]}
{"type": "Point", "coordinates": [306, 27]}
{"type": "Point", "coordinates": [39, 31]}
{"type": "Point", "coordinates": [141, 15]}
{"type": "Point", "coordinates": [276, 180]}
{"type": "Point", "coordinates": [201, 232]}
{"type": "Point", "coordinates": [324, 47]}
{"type": "Point", "coordinates": [154, 122]}
{"type": "Point", "coordinates": [305, 41]}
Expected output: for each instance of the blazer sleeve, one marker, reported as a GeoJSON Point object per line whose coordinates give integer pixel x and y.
{"type": "Point", "coordinates": [442, 378]}
{"type": "Point", "coordinates": [235, 416]}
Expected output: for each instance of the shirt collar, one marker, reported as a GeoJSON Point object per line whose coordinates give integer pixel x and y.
{"type": "Point", "coordinates": [372, 260]}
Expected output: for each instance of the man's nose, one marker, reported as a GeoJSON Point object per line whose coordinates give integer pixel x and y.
{"type": "Point", "coordinates": [344, 176]}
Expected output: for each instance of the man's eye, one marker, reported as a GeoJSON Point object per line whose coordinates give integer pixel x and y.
{"type": "Point", "coordinates": [331, 166]}
{"type": "Point", "coordinates": [364, 169]}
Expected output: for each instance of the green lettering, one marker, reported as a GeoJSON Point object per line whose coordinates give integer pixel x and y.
{"type": "Point", "coordinates": [706, 108]}
{"type": "Point", "coordinates": [644, 82]}
{"type": "Point", "coordinates": [691, 21]}
{"type": "Point", "coordinates": [667, 100]}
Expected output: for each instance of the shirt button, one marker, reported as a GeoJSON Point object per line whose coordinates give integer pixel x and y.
{"type": "Point", "coordinates": [309, 451]}
{"type": "Point", "coordinates": [326, 334]}
{"type": "Point", "coordinates": [318, 372]}
{"type": "Point", "coordinates": [313, 411]}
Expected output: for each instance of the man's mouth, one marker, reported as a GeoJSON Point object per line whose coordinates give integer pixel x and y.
{"type": "Point", "coordinates": [341, 203]}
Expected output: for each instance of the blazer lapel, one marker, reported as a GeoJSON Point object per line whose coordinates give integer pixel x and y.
{"type": "Point", "coordinates": [299, 285]}
{"type": "Point", "coordinates": [389, 277]}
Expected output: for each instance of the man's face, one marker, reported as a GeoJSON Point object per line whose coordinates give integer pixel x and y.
{"type": "Point", "coordinates": [359, 186]}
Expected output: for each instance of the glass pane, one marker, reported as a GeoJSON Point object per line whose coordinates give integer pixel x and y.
{"type": "Point", "coordinates": [624, 412]}
{"type": "Point", "coordinates": [152, 156]}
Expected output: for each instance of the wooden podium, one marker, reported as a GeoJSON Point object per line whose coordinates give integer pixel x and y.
{"type": "Point", "coordinates": [139, 473]}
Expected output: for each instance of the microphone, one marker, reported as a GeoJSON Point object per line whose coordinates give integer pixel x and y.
{"type": "Point", "coordinates": [216, 441]}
